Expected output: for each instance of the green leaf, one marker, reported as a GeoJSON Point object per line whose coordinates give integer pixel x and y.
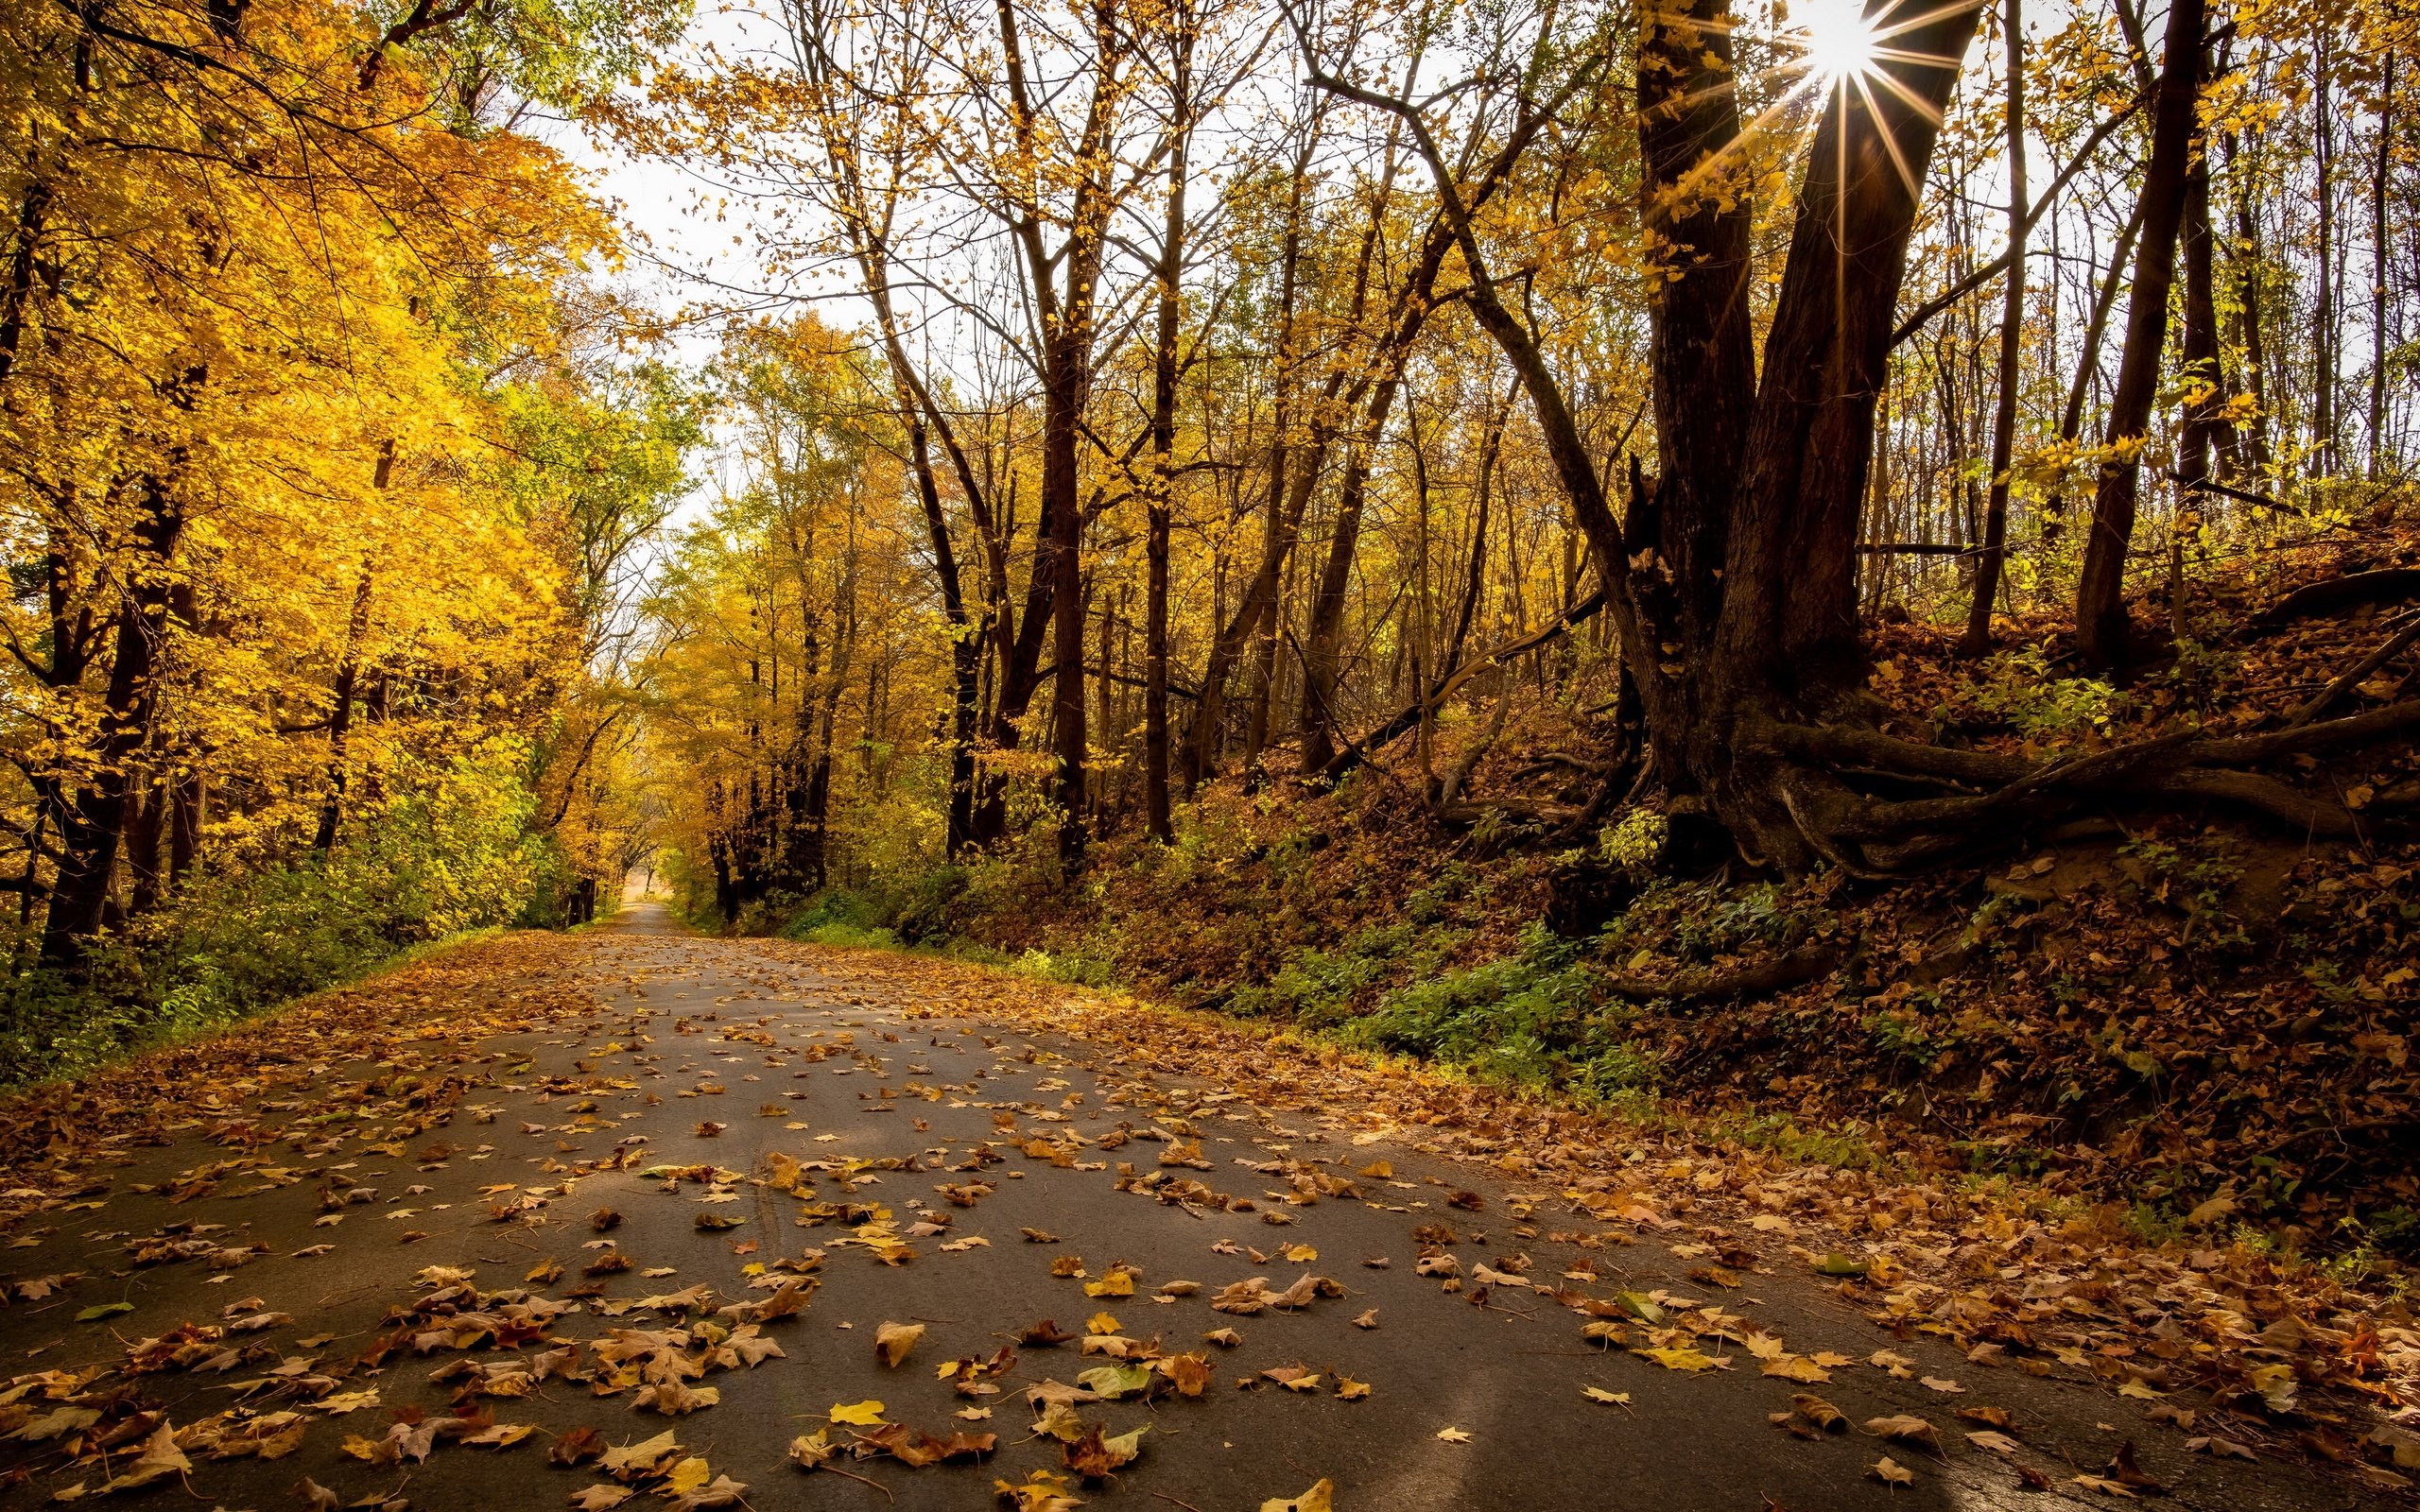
{"type": "Point", "coordinates": [94, 1314]}
{"type": "Point", "coordinates": [1115, 1380]}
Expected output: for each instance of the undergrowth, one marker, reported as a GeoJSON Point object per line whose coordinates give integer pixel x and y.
{"type": "Point", "coordinates": [449, 858]}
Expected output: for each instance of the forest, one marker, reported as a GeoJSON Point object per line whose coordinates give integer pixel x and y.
{"type": "Point", "coordinates": [1585, 543]}
{"type": "Point", "coordinates": [1289, 395]}
{"type": "Point", "coordinates": [1606, 546]}
{"type": "Point", "coordinates": [1658, 745]}
{"type": "Point", "coordinates": [328, 444]}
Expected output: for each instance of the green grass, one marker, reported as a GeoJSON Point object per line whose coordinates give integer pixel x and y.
{"type": "Point", "coordinates": [50, 1033]}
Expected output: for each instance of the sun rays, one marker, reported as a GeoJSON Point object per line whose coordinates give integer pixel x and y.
{"type": "Point", "coordinates": [1834, 39]}
{"type": "Point", "coordinates": [1837, 54]}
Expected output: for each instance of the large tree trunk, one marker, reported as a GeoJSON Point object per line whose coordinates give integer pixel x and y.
{"type": "Point", "coordinates": [1701, 351]}
{"type": "Point", "coordinates": [1722, 648]}
{"type": "Point", "coordinates": [2101, 630]}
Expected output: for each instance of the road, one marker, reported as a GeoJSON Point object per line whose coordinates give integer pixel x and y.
{"type": "Point", "coordinates": [404, 1241]}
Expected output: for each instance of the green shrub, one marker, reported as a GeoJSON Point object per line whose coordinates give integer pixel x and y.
{"type": "Point", "coordinates": [1502, 1020]}
{"type": "Point", "coordinates": [1318, 988]}
{"type": "Point", "coordinates": [447, 852]}
{"type": "Point", "coordinates": [2041, 706]}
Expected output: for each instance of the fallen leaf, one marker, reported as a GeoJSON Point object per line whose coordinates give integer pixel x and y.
{"type": "Point", "coordinates": [1320, 1498]}
{"type": "Point", "coordinates": [575, 1445]}
{"type": "Point", "coordinates": [1689, 1361]}
{"type": "Point", "coordinates": [2102, 1484]}
{"type": "Point", "coordinates": [2220, 1448]}
{"type": "Point", "coordinates": [1906, 1428]}
{"type": "Point", "coordinates": [1043, 1492]}
{"type": "Point", "coordinates": [892, 1342]}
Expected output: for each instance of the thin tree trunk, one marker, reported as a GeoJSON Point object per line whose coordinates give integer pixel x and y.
{"type": "Point", "coordinates": [2206, 426]}
{"type": "Point", "coordinates": [2100, 608]}
{"type": "Point", "coordinates": [1994, 553]}
{"type": "Point", "coordinates": [1285, 507]}
{"type": "Point", "coordinates": [1327, 623]}
{"type": "Point", "coordinates": [1473, 579]}
{"type": "Point", "coordinates": [2203, 429]}
{"type": "Point", "coordinates": [2247, 256]}
{"type": "Point", "coordinates": [143, 831]}
{"type": "Point", "coordinates": [1157, 817]}
{"type": "Point", "coordinates": [347, 675]}
{"type": "Point", "coordinates": [340, 707]}
{"type": "Point", "coordinates": [2379, 274]}
{"type": "Point", "coordinates": [2088, 361]}
{"type": "Point", "coordinates": [188, 803]}
{"type": "Point", "coordinates": [2324, 360]}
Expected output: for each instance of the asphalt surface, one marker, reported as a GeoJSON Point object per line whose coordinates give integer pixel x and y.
{"type": "Point", "coordinates": [813, 1064]}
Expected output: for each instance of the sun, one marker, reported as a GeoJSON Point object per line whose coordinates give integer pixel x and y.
{"type": "Point", "coordinates": [1835, 38]}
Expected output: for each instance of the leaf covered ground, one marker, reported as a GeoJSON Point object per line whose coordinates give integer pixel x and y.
{"type": "Point", "coordinates": [647, 1219]}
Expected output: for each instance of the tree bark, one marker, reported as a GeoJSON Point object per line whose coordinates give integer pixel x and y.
{"type": "Point", "coordinates": [1701, 349]}
{"type": "Point", "coordinates": [340, 701]}
{"type": "Point", "coordinates": [2323, 299]}
{"type": "Point", "coordinates": [2101, 629]}
{"type": "Point", "coordinates": [1157, 820]}
{"type": "Point", "coordinates": [1989, 562]}
{"type": "Point", "coordinates": [93, 818]}
{"type": "Point", "coordinates": [2249, 260]}
{"type": "Point", "coordinates": [2381, 251]}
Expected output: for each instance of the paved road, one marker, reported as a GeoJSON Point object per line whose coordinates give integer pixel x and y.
{"type": "Point", "coordinates": [842, 1093]}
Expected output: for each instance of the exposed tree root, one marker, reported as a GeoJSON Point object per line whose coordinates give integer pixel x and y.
{"type": "Point", "coordinates": [1989, 799]}
{"type": "Point", "coordinates": [1788, 969]}
{"type": "Point", "coordinates": [2388, 583]}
